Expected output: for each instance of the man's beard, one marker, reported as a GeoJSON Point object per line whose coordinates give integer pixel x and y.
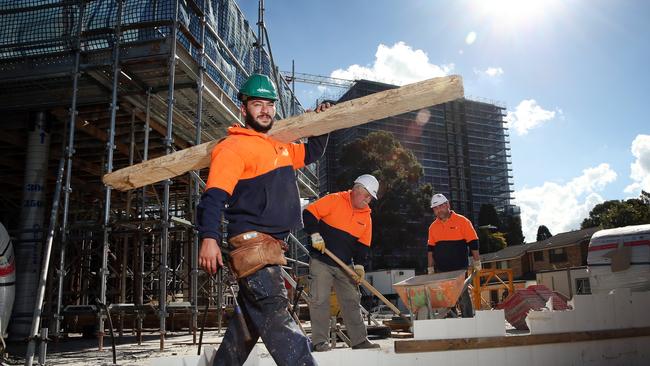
{"type": "Point", "coordinates": [252, 123]}
{"type": "Point", "coordinates": [444, 215]}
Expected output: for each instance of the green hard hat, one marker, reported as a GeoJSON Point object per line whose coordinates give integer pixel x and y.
{"type": "Point", "coordinates": [258, 86]}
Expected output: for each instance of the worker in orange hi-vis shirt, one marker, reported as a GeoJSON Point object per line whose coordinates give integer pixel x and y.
{"type": "Point", "coordinates": [341, 222]}
{"type": "Point", "coordinates": [450, 237]}
{"type": "Point", "coordinates": [252, 182]}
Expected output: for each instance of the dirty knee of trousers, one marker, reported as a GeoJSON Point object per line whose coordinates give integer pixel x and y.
{"type": "Point", "coordinates": [264, 304]}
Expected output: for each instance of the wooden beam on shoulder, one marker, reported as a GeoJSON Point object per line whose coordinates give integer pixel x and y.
{"type": "Point", "coordinates": [344, 115]}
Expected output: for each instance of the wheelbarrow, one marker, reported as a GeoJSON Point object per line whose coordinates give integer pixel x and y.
{"type": "Point", "coordinates": [436, 294]}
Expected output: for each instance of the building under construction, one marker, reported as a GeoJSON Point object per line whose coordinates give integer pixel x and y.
{"type": "Point", "coordinates": [89, 87]}
{"type": "Point", "coordinates": [463, 147]}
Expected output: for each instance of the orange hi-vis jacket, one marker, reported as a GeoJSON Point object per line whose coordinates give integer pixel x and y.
{"type": "Point", "coordinates": [449, 241]}
{"type": "Point", "coordinates": [253, 175]}
{"type": "Point", "coordinates": [347, 231]}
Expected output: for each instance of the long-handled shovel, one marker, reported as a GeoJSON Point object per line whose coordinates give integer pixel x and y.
{"type": "Point", "coordinates": [365, 284]}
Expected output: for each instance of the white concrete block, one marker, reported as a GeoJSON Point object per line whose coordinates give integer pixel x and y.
{"type": "Point", "coordinates": [175, 361]}
{"type": "Point", "coordinates": [568, 354]}
{"type": "Point", "coordinates": [430, 329]}
{"type": "Point", "coordinates": [464, 358]}
{"type": "Point", "coordinates": [624, 352]}
{"type": "Point", "coordinates": [543, 355]}
{"type": "Point", "coordinates": [564, 321]}
{"type": "Point", "coordinates": [420, 359]}
{"type": "Point", "coordinates": [461, 328]}
{"type": "Point", "coordinates": [605, 312]}
{"type": "Point", "coordinates": [417, 359]}
{"type": "Point", "coordinates": [332, 357]}
{"type": "Point", "coordinates": [640, 306]}
{"type": "Point", "coordinates": [492, 356]}
{"type": "Point", "coordinates": [490, 323]}
{"type": "Point", "coordinates": [623, 309]}
{"type": "Point", "coordinates": [642, 348]}
{"type": "Point", "coordinates": [259, 356]}
{"type": "Point", "coordinates": [518, 356]}
{"type": "Point", "coordinates": [540, 322]}
{"type": "Point", "coordinates": [585, 313]}
{"type": "Point", "coordinates": [579, 302]}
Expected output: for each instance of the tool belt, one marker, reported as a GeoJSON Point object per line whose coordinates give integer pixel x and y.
{"type": "Point", "coordinates": [253, 251]}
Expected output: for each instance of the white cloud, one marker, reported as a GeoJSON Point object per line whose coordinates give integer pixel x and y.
{"type": "Point", "coordinates": [490, 72]}
{"type": "Point", "coordinates": [529, 115]}
{"type": "Point", "coordinates": [494, 71]}
{"type": "Point", "coordinates": [470, 38]}
{"type": "Point", "coordinates": [399, 65]}
{"type": "Point", "coordinates": [562, 207]}
{"type": "Point", "coordinates": [640, 168]}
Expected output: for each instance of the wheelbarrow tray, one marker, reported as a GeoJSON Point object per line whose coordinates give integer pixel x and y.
{"type": "Point", "coordinates": [439, 290]}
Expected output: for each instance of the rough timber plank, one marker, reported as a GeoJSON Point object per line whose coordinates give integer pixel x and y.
{"type": "Point", "coordinates": [435, 345]}
{"type": "Point", "coordinates": [347, 114]}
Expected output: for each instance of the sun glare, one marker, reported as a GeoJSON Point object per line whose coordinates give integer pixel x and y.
{"type": "Point", "coordinates": [514, 13]}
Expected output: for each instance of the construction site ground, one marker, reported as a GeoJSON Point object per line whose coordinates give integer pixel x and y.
{"type": "Point", "coordinates": [78, 351]}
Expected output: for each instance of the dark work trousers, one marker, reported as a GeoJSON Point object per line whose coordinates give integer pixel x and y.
{"type": "Point", "coordinates": [263, 301]}
{"type": "Point", "coordinates": [465, 303]}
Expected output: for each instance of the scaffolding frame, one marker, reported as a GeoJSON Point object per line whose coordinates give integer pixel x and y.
{"type": "Point", "coordinates": [169, 75]}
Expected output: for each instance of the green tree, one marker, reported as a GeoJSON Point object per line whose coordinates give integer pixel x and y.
{"type": "Point", "coordinates": [487, 215]}
{"type": "Point", "coordinates": [615, 213]}
{"type": "Point", "coordinates": [645, 197]}
{"type": "Point", "coordinates": [401, 215]}
{"type": "Point", "coordinates": [490, 241]}
{"type": "Point", "coordinates": [511, 227]}
{"type": "Point", "coordinates": [543, 233]}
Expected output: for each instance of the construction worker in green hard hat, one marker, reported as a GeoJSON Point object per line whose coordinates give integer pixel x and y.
{"type": "Point", "coordinates": [253, 184]}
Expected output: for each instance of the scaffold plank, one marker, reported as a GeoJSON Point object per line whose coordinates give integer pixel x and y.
{"type": "Point", "coordinates": [344, 115]}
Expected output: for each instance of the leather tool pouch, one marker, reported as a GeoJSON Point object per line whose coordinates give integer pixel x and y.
{"type": "Point", "coordinates": [253, 251]}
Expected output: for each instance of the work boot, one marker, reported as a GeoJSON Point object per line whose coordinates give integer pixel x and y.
{"type": "Point", "coordinates": [322, 347]}
{"type": "Point", "coordinates": [366, 345]}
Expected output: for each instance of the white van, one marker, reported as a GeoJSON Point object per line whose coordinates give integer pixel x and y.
{"type": "Point", "coordinates": [620, 258]}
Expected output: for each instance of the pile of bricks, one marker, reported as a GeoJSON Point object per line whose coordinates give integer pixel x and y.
{"type": "Point", "coordinates": [534, 297]}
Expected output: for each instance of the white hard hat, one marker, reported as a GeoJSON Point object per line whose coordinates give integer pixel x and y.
{"type": "Point", "coordinates": [438, 199]}
{"type": "Point", "coordinates": [370, 183]}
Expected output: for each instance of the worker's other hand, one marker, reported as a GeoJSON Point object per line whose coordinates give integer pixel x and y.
{"type": "Point", "coordinates": [431, 270]}
{"type": "Point", "coordinates": [323, 107]}
{"type": "Point", "coordinates": [317, 242]}
{"type": "Point", "coordinates": [210, 255]}
{"type": "Point", "coordinates": [477, 264]}
{"type": "Point", "coordinates": [360, 271]}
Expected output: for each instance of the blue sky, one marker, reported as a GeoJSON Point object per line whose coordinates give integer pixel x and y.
{"type": "Point", "coordinates": [574, 76]}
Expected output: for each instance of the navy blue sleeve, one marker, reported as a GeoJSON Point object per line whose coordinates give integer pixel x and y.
{"type": "Point", "coordinates": [473, 245]}
{"type": "Point", "coordinates": [208, 213]}
{"type": "Point", "coordinates": [361, 254]}
{"type": "Point", "coordinates": [315, 147]}
{"type": "Point", "coordinates": [310, 221]}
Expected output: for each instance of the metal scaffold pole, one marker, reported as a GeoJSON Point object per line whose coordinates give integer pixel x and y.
{"type": "Point", "coordinates": [109, 168]}
{"type": "Point", "coordinates": [69, 153]}
{"type": "Point", "coordinates": [196, 191]}
{"type": "Point", "coordinates": [260, 35]}
{"type": "Point", "coordinates": [162, 282]}
{"type": "Point", "coordinates": [139, 297]}
{"type": "Point", "coordinates": [126, 238]}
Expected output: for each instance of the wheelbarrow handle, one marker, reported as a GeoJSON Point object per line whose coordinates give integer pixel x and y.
{"type": "Point", "coordinates": [365, 284]}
